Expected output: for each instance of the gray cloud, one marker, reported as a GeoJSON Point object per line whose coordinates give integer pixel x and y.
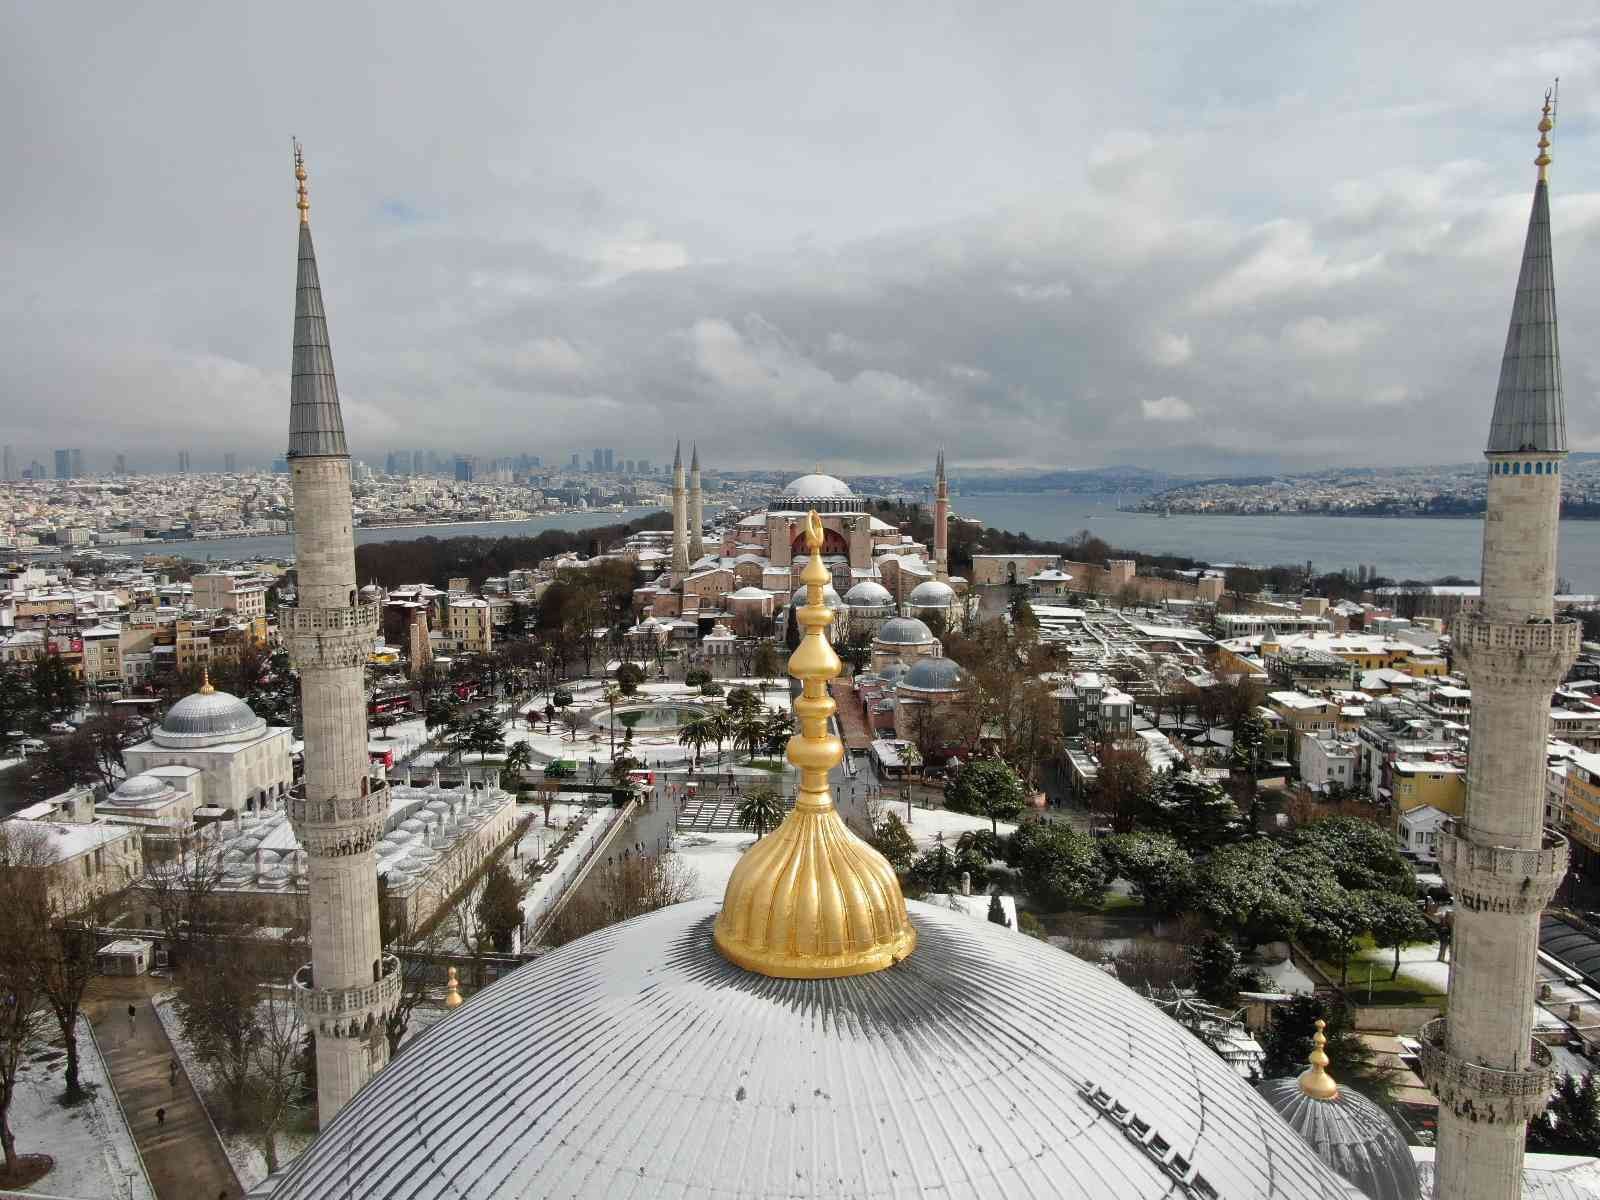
{"type": "Point", "coordinates": [1177, 237]}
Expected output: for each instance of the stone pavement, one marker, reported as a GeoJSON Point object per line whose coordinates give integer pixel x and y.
{"type": "Point", "coordinates": [183, 1156]}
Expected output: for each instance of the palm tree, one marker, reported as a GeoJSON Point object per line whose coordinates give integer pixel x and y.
{"type": "Point", "coordinates": [750, 731]}
{"type": "Point", "coordinates": [761, 809]}
{"type": "Point", "coordinates": [778, 727]}
{"type": "Point", "coordinates": [696, 733]}
{"type": "Point", "coordinates": [613, 694]}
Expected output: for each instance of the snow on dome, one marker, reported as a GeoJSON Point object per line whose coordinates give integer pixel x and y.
{"type": "Point", "coordinates": [904, 631]}
{"type": "Point", "coordinates": [818, 487]}
{"type": "Point", "coordinates": [829, 597]}
{"type": "Point", "coordinates": [207, 718]}
{"type": "Point", "coordinates": [868, 594]}
{"type": "Point", "coordinates": [136, 789]}
{"type": "Point", "coordinates": [932, 593]}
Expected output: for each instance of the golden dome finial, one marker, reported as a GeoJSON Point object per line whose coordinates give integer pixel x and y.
{"type": "Point", "coordinates": [811, 900]}
{"type": "Point", "coordinates": [1546, 124]}
{"type": "Point", "coordinates": [304, 202]}
{"type": "Point", "coordinates": [205, 681]}
{"type": "Point", "coordinates": [452, 991]}
{"type": "Point", "coordinates": [1315, 1080]}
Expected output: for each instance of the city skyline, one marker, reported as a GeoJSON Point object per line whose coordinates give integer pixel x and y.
{"type": "Point", "coordinates": [1041, 240]}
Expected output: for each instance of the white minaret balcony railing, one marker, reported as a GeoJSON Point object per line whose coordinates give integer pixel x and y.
{"type": "Point", "coordinates": [337, 1001]}
{"type": "Point", "coordinates": [1485, 1094]}
{"type": "Point", "coordinates": [343, 825]}
{"type": "Point", "coordinates": [359, 618]}
{"type": "Point", "coordinates": [1501, 879]}
{"type": "Point", "coordinates": [1561, 636]}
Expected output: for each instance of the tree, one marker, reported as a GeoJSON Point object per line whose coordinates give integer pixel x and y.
{"type": "Point", "coordinates": [997, 912]}
{"type": "Point", "coordinates": [935, 870]}
{"type": "Point", "coordinates": [624, 888]}
{"type": "Point", "coordinates": [986, 787]}
{"type": "Point", "coordinates": [891, 839]}
{"type": "Point", "coordinates": [761, 809]}
{"type": "Point", "coordinates": [276, 1081]}
{"type": "Point", "coordinates": [1194, 810]}
{"type": "Point", "coordinates": [519, 760]}
{"type": "Point", "coordinates": [1161, 871]}
{"type": "Point", "coordinates": [1215, 961]}
{"type": "Point", "coordinates": [382, 722]}
{"type": "Point", "coordinates": [1396, 923]}
{"type": "Point", "coordinates": [1121, 784]}
{"type": "Point", "coordinates": [695, 734]}
{"type": "Point", "coordinates": [499, 907]}
{"type": "Point", "coordinates": [768, 662]}
{"type": "Point", "coordinates": [55, 691]}
{"type": "Point", "coordinates": [779, 727]}
{"type": "Point", "coordinates": [1334, 919]}
{"type": "Point", "coordinates": [720, 725]}
{"type": "Point", "coordinates": [1571, 1124]}
{"type": "Point", "coordinates": [218, 988]}
{"type": "Point", "coordinates": [629, 676]}
{"type": "Point", "coordinates": [1287, 1043]}
{"type": "Point", "coordinates": [611, 696]}
{"type": "Point", "coordinates": [741, 700]}
{"type": "Point", "coordinates": [66, 965]}
{"type": "Point", "coordinates": [25, 856]}
{"type": "Point", "coordinates": [485, 733]}
{"type": "Point", "coordinates": [750, 731]}
{"type": "Point", "coordinates": [1362, 852]}
{"type": "Point", "coordinates": [1058, 866]}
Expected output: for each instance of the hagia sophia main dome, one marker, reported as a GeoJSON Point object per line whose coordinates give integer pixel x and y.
{"type": "Point", "coordinates": [811, 1035]}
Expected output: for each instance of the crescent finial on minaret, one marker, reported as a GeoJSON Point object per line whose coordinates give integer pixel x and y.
{"type": "Point", "coordinates": [1546, 124]}
{"type": "Point", "coordinates": [304, 202]}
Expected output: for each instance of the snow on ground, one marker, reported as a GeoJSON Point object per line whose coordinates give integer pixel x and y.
{"type": "Point", "coordinates": [712, 857]}
{"type": "Point", "coordinates": [7, 763]}
{"type": "Point", "coordinates": [90, 1142]}
{"type": "Point", "coordinates": [544, 890]}
{"type": "Point", "coordinates": [1419, 966]}
{"type": "Point", "coordinates": [249, 1164]}
{"type": "Point", "coordinates": [926, 824]}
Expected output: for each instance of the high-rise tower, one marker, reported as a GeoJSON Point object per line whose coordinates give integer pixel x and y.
{"type": "Point", "coordinates": [1480, 1059]}
{"type": "Point", "coordinates": [338, 811]}
{"type": "Point", "coordinates": [680, 517]}
{"type": "Point", "coordinates": [941, 522]}
{"type": "Point", "coordinates": [697, 514]}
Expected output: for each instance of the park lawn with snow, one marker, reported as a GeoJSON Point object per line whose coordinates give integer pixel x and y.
{"type": "Point", "coordinates": [1423, 979]}
{"type": "Point", "coordinates": [90, 1142]}
{"type": "Point", "coordinates": [712, 857]}
{"type": "Point", "coordinates": [243, 1150]}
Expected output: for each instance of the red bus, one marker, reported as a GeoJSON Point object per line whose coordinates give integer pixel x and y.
{"type": "Point", "coordinates": [395, 701]}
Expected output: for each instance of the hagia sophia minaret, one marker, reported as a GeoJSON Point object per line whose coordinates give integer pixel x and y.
{"type": "Point", "coordinates": [941, 522]}
{"type": "Point", "coordinates": [338, 811]}
{"type": "Point", "coordinates": [680, 518]}
{"type": "Point", "coordinates": [1480, 1059]}
{"type": "Point", "coordinates": [697, 516]}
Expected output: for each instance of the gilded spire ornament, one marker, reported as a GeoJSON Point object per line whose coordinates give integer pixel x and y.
{"type": "Point", "coordinates": [812, 900]}
{"type": "Point", "coordinates": [205, 681]}
{"type": "Point", "coordinates": [452, 991]}
{"type": "Point", "coordinates": [1315, 1080]}
{"type": "Point", "coordinates": [1546, 124]}
{"type": "Point", "coordinates": [304, 202]}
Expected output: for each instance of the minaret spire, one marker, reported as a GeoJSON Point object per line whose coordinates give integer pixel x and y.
{"type": "Point", "coordinates": [1529, 410]}
{"type": "Point", "coordinates": [315, 423]}
{"type": "Point", "coordinates": [680, 516]}
{"type": "Point", "coordinates": [941, 520]}
{"type": "Point", "coordinates": [338, 811]}
{"type": "Point", "coordinates": [1503, 866]}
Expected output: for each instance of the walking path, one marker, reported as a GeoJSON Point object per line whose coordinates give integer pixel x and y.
{"type": "Point", "coordinates": [182, 1154]}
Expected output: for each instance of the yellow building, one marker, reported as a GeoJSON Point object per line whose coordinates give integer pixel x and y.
{"type": "Point", "coordinates": [1418, 782]}
{"type": "Point", "coordinates": [1583, 802]}
{"type": "Point", "coordinates": [471, 627]}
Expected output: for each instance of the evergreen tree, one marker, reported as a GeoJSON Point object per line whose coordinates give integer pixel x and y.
{"type": "Point", "coordinates": [997, 912]}
{"type": "Point", "coordinates": [1571, 1125]}
{"type": "Point", "coordinates": [499, 908]}
{"type": "Point", "coordinates": [986, 787]}
{"type": "Point", "coordinates": [892, 840]}
{"type": "Point", "coordinates": [1215, 961]}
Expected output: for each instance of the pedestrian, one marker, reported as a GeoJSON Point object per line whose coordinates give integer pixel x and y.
{"type": "Point", "coordinates": [132, 1013]}
{"type": "Point", "coordinates": [161, 1116]}
{"type": "Point", "coordinates": [172, 1072]}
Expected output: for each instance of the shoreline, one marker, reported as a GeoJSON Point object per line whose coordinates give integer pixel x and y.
{"type": "Point", "coordinates": [1146, 512]}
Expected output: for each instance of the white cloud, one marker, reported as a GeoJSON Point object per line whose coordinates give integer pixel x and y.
{"type": "Point", "coordinates": [1167, 408]}
{"type": "Point", "coordinates": [1171, 349]}
{"type": "Point", "coordinates": [1318, 336]}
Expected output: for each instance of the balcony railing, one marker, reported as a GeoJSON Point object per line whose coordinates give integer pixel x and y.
{"type": "Point", "coordinates": [337, 1001]}
{"type": "Point", "coordinates": [373, 802]}
{"type": "Point", "coordinates": [1471, 632]}
{"type": "Point", "coordinates": [361, 618]}
{"type": "Point", "coordinates": [1439, 1068]}
{"type": "Point", "coordinates": [1456, 851]}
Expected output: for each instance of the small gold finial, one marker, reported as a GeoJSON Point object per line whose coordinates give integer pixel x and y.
{"type": "Point", "coordinates": [811, 900]}
{"type": "Point", "coordinates": [205, 681]}
{"type": "Point", "coordinates": [1546, 124]}
{"type": "Point", "coordinates": [452, 991]}
{"type": "Point", "coordinates": [304, 202]}
{"type": "Point", "coordinates": [1315, 1080]}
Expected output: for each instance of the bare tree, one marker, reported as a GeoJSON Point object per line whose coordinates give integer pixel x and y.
{"type": "Point", "coordinates": [183, 888]}
{"type": "Point", "coordinates": [627, 888]}
{"type": "Point", "coordinates": [414, 943]}
{"type": "Point", "coordinates": [66, 965]}
{"type": "Point", "coordinates": [274, 1087]}
{"type": "Point", "coordinates": [25, 860]}
{"type": "Point", "coordinates": [218, 989]}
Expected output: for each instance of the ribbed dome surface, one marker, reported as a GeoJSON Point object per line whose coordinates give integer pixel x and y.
{"type": "Point", "coordinates": [638, 1064]}
{"type": "Point", "coordinates": [1352, 1135]}
{"type": "Point", "coordinates": [817, 487]}
{"type": "Point", "coordinates": [867, 594]}
{"type": "Point", "coordinates": [207, 718]}
{"type": "Point", "coordinates": [934, 675]}
{"type": "Point", "coordinates": [137, 789]}
{"type": "Point", "coordinates": [932, 593]}
{"type": "Point", "coordinates": [904, 631]}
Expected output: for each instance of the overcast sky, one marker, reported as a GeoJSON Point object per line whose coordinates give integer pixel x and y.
{"type": "Point", "coordinates": [1197, 236]}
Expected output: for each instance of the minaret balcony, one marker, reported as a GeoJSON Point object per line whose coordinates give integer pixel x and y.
{"type": "Point", "coordinates": [329, 637]}
{"type": "Point", "coordinates": [341, 826]}
{"type": "Point", "coordinates": [1484, 1094]}
{"type": "Point", "coordinates": [343, 1012]}
{"type": "Point", "coordinates": [1501, 653]}
{"type": "Point", "coordinates": [1501, 879]}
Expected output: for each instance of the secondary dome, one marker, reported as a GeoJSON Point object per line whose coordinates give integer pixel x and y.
{"type": "Point", "coordinates": [868, 594]}
{"type": "Point", "coordinates": [818, 487]}
{"type": "Point", "coordinates": [1348, 1132]}
{"type": "Point", "coordinates": [139, 789]}
{"type": "Point", "coordinates": [987, 1064]}
{"type": "Point", "coordinates": [935, 675]}
{"type": "Point", "coordinates": [829, 597]}
{"type": "Point", "coordinates": [904, 631]}
{"type": "Point", "coordinates": [932, 593]}
{"type": "Point", "coordinates": [207, 718]}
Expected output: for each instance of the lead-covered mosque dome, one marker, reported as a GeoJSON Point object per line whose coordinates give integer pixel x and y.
{"type": "Point", "coordinates": [809, 1035]}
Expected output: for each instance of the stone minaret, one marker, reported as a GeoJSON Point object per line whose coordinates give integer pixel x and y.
{"type": "Point", "coordinates": [338, 811]}
{"type": "Point", "coordinates": [680, 517]}
{"type": "Point", "coordinates": [941, 522]}
{"type": "Point", "coordinates": [697, 514]}
{"type": "Point", "coordinates": [1503, 866]}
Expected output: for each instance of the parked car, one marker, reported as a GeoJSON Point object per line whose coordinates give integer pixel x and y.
{"type": "Point", "coordinates": [60, 727]}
